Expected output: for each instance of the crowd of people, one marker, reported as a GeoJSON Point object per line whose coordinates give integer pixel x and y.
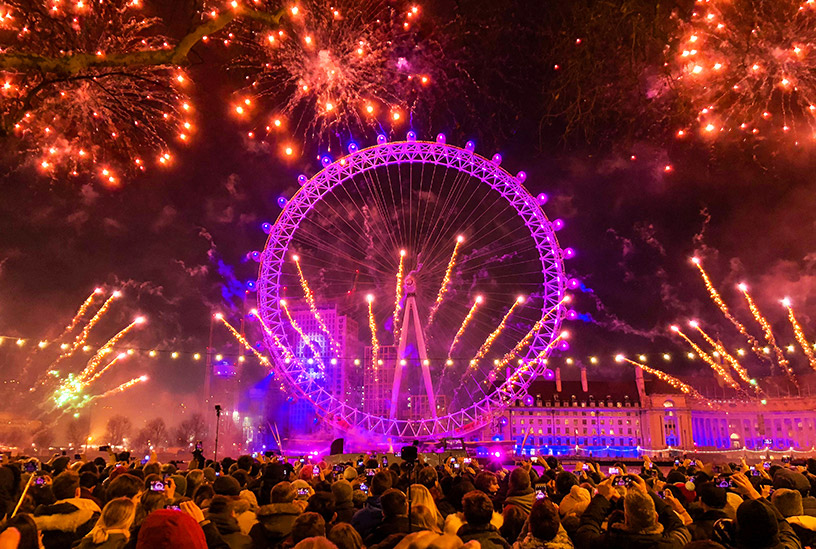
{"type": "Point", "coordinates": [272, 503]}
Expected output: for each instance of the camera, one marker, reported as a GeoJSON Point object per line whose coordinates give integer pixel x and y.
{"type": "Point", "coordinates": [364, 488]}
{"type": "Point", "coordinates": [614, 471]}
{"type": "Point", "coordinates": [156, 486]}
{"type": "Point", "coordinates": [198, 446]}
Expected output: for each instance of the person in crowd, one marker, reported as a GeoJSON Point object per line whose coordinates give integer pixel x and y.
{"type": "Point", "coordinates": [307, 525]}
{"type": "Point", "coordinates": [712, 502]}
{"type": "Point", "coordinates": [394, 517]}
{"type": "Point", "coordinates": [647, 521]}
{"type": "Point", "coordinates": [70, 518]}
{"type": "Point", "coordinates": [275, 520]}
{"type": "Point", "coordinates": [478, 511]}
{"type": "Point", "coordinates": [316, 542]}
{"type": "Point", "coordinates": [789, 504]}
{"type": "Point", "coordinates": [545, 530]}
{"type": "Point", "coordinates": [112, 530]}
{"type": "Point", "coordinates": [322, 503]}
{"type": "Point", "coordinates": [222, 513]}
{"type": "Point", "coordinates": [420, 495]}
{"type": "Point", "coordinates": [343, 500]}
{"type": "Point", "coordinates": [514, 518]}
{"type": "Point", "coordinates": [371, 515]}
{"type": "Point", "coordinates": [227, 485]}
{"type": "Point", "coordinates": [20, 532]}
{"type": "Point", "coordinates": [344, 536]}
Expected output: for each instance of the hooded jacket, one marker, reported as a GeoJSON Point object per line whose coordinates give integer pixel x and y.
{"type": "Point", "coordinates": [274, 525]}
{"type": "Point", "coordinates": [523, 499]}
{"type": "Point", "coordinates": [805, 528]}
{"type": "Point", "coordinates": [560, 541]}
{"type": "Point", "coordinates": [66, 521]}
{"type": "Point", "coordinates": [369, 517]}
{"type": "Point", "coordinates": [230, 531]}
{"type": "Point", "coordinates": [487, 536]}
{"type": "Point", "coordinates": [668, 533]}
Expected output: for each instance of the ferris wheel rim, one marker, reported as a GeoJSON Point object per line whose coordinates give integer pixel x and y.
{"type": "Point", "coordinates": [487, 172]}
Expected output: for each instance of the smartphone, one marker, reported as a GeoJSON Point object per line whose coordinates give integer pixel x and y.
{"type": "Point", "coordinates": [370, 472]}
{"type": "Point", "coordinates": [31, 467]}
{"type": "Point", "coordinates": [156, 486]}
{"type": "Point", "coordinates": [385, 462]}
{"type": "Point", "coordinates": [269, 453]}
{"type": "Point", "coordinates": [315, 470]}
{"type": "Point", "coordinates": [586, 467]}
{"type": "Point", "coordinates": [302, 460]}
{"type": "Point", "coordinates": [623, 481]}
{"type": "Point", "coordinates": [467, 461]}
{"type": "Point", "coordinates": [725, 483]}
{"type": "Point", "coordinates": [614, 471]}
{"type": "Point", "coordinates": [455, 464]}
{"type": "Point", "coordinates": [173, 507]}
{"type": "Point", "coordinates": [360, 462]}
{"type": "Point", "coordinates": [541, 494]}
{"type": "Point", "coordinates": [199, 445]}
{"type": "Point", "coordinates": [39, 481]}
{"type": "Point", "coordinates": [766, 465]}
{"type": "Point", "coordinates": [785, 459]}
{"type": "Point", "coordinates": [754, 472]}
{"type": "Point", "coordinates": [104, 448]}
{"type": "Point", "coordinates": [677, 462]}
{"type": "Point", "coordinates": [302, 492]}
{"type": "Point", "coordinates": [77, 456]}
{"type": "Point", "coordinates": [364, 488]}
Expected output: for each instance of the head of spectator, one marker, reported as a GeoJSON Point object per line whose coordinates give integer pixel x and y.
{"type": "Point", "coordinates": [712, 496]}
{"type": "Point", "coordinates": [757, 525]}
{"type": "Point", "coordinates": [381, 482]}
{"type": "Point", "coordinates": [27, 530]}
{"type": "Point", "coordinates": [117, 517]}
{"type": "Point", "coordinates": [564, 481]}
{"type": "Point", "coordinates": [225, 485]}
{"type": "Point", "coordinates": [519, 481]}
{"type": "Point", "coordinates": [344, 536]}
{"type": "Point", "coordinates": [788, 502]}
{"type": "Point", "coordinates": [394, 503]}
{"type": "Point", "coordinates": [576, 502]}
{"type": "Point", "coordinates": [169, 529]}
{"type": "Point", "coordinates": [478, 508]}
{"type": "Point", "coordinates": [203, 495]}
{"type": "Point", "coordinates": [639, 514]}
{"type": "Point", "coordinates": [423, 518]}
{"type": "Point", "coordinates": [788, 478]}
{"type": "Point", "coordinates": [513, 519]}
{"type": "Point", "coordinates": [195, 478]}
{"type": "Point", "coordinates": [303, 490]}
{"type": "Point", "coordinates": [428, 477]}
{"type": "Point", "coordinates": [488, 482]}
{"type": "Point", "coordinates": [308, 525]}
{"type": "Point", "coordinates": [66, 485]}
{"type": "Point", "coordinates": [316, 542]}
{"type": "Point", "coordinates": [323, 504]}
{"type": "Point", "coordinates": [124, 486]}
{"type": "Point", "coordinates": [544, 520]}
{"type": "Point", "coordinates": [283, 492]}
{"type": "Point", "coordinates": [420, 495]}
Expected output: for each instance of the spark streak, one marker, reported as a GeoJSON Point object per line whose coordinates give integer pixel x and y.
{"type": "Point", "coordinates": [372, 325]}
{"type": "Point", "coordinates": [307, 292]}
{"type": "Point", "coordinates": [443, 289]}
{"type": "Point", "coordinates": [83, 335]}
{"type": "Point", "coordinates": [720, 371]}
{"type": "Point", "coordinates": [715, 297]}
{"type": "Point", "coordinates": [799, 334]}
{"type": "Point", "coordinates": [108, 366]}
{"type": "Point", "coordinates": [398, 293]}
{"type": "Point", "coordinates": [80, 313]}
{"type": "Point", "coordinates": [496, 333]}
{"type": "Point", "coordinates": [741, 372]}
{"type": "Point", "coordinates": [663, 376]}
{"type": "Point", "coordinates": [123, 387]}
{"type": "Point", "coordinates": [303, 335]}
{"type": "Point", "coordinates": [278, 343]}
{"type": "Point", "coordinates": [769, 336]}
{"type": "Point", "coordinates": [465, 322]}
{"type": "Point", "coordinates": [107, 348]}
{"type": "Point", "coordinates": [243, 341]}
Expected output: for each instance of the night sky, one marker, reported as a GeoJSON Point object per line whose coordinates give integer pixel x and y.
{"type": "Point", "coordinates": [176, 239]}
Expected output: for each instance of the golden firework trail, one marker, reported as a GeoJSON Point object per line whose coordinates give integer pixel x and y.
{"type": "Point", "coordinates": [107, 348]}
{"type": "Point", "coordinates": [83, 335]}
{"type": "Point", "coordinates": [741, 372]}
{"type": "Point", "coordinates": [724, 375]}
{"type": "Point", "coordinates": [310, 299]}
{"type": "Point", "coordinates": [372, 325]}
{"type": "Point", "coordinates": [243, 341]}
{"type": "Point", "coordinates": [663, 376]}
{"type": "Point", "coordinates": [123, 387]}
{"type": "Point", "coordinates": [799, 334]}
{"type": "Point", "coordinates": [303, 336]}
{"type": "Point", "coordinates": [769, 336]}
{"type": "Point", "coordinates": [398, 293]}
{"type": "Point", "coordinates": [443, 289]}
{"type": "Point", "coordinates": [526, 339]}
{"type": "Point", "coordinates": [108, 366]}
{"type": "Point", "coordinates": [80, 313]}
{"type": "Point", "coordinates": [464, 325]}
{"type": "Point", "coordinates": [281, 347]}
{"type": "Point", "coordinates": [496, 333]}
{"type": "Point", "coordinates": [715, 297]}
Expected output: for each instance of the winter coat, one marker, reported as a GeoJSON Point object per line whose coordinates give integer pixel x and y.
{"type": "Point", "coordinates": [804, 527]}
{"type": "Point", "coordinates": [274, 525]}
{"type": "Point", "coordinates": [230, 531]}
{"type": "Point", "coordinates": [345, 511]}
{"type": "Point", "coordinates": [389, 526]}
{"type": "Point", "coordinates": [669, 533]}
{"type": "Point", "coordinates": [703, 526]}
{"type": "Point", "coordinates": [244, 513]}
{"type": "Point", "coordinates": [457, 520]}
{"type": "Point", "coordinates": [560, 541]}
{"type": "Point", "coordinates": [523, 499]}
{"type": "Point", "coordinates": [66, 521]}
{"type": "Point", "coordinates": [114, 541]}
{"type": "Point", "coordinates": [369, 517]}
{"type": "Point", "coordinates": [487, 536]}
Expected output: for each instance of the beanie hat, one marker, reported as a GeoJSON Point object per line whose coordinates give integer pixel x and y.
{"type": "Point", "coordinates": [181, 484]}
{"type": "Point", "coordinates": [209, 474]}
{"type": "Point", "coordinates": [350, 473]}
{"type": "Point", "coordinates": [168, 529]}
{"type": "Point", "coordinates": [120, 470]}
{"type": "Point", "coordinates": [713, 496]}
{"type": "Point", "coordinates": [733, 501]}
{"type": "Point", "coordinates": [786, 478]}
{"type": "Point", "coordinates": [519, 479]}
{"type": "Point", "coordinates": [575, 502]}
{"type": "Point", "coordinates": [788, 502]}
{"type": "Point", "coordinates": [341, 491]}
{"type": "Point", "coordinates": [226, 485]}
{"type": "Point", "coordinates": [756, 525]}
{"type": "Point", "coordinates": [639, 512]}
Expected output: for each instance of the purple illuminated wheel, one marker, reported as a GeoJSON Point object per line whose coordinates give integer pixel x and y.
{"type": "Point", "coordinates": [445, 257]}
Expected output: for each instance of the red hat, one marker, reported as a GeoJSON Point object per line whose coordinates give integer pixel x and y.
{"type": "Point", "coordinates": [170, 529]}
{"type": "Point", "coordinates": [119, 470]}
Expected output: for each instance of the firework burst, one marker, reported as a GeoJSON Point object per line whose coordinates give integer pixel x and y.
{"type": "Point", "coordinates": [748, 67]}
{"type": "Point", "coordinates": [718, 369]}
{"type": "Point", "coordinates": [336, 66]}
{"type": "Point", "coordinates": [783, 362]}
{"type": "Point", "coordinates": [799, 334]}
{"type": "Point", "coordinates": [663, 376]}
